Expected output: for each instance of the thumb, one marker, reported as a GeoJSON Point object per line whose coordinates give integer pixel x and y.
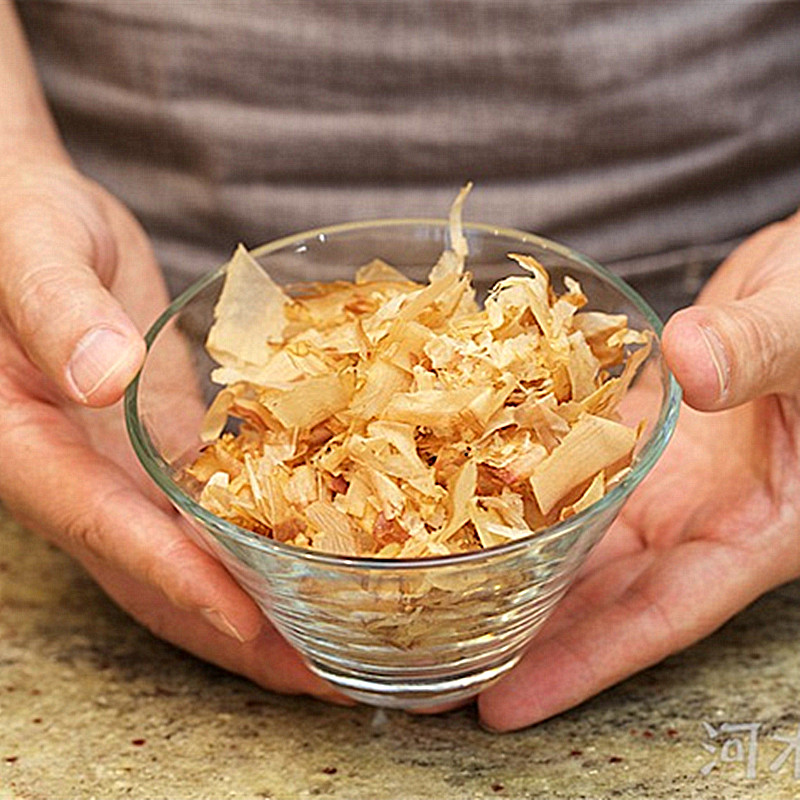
{"type": "Point", "coordinates": [53, 300]}
{"type": "Point", "coordinates": [729, 353]}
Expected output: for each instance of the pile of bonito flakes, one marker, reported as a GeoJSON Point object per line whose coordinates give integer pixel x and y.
{"type": "Point", "coordinates": [389, 419]}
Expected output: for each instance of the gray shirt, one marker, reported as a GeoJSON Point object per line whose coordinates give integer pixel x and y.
{"type": "Point", "coordinates": [648, 134]}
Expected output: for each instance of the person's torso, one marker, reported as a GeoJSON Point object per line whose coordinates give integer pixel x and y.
{"type": "Point", "coordinates": [644, 134]}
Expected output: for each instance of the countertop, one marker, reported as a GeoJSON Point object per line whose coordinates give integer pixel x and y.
{"type": "Point", "coordinates": [93, 706]}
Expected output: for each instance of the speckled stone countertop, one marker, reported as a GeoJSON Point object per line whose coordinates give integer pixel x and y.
{"type": "Point", "coordinates": [92, 706]}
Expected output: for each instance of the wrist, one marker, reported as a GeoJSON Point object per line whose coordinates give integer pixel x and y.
{"type": "Point", "coordinates": [27, 129]}
{"type": "Point", "coordinates": [31, 142]}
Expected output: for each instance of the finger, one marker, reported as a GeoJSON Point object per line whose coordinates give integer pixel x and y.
{"type": "Point", "coordinates": [51, 296]}
{"type": "Point", "coordinates": [143, 558]}
{"type": "Point", "coordinates": [725, 352]}
{"type": "Point", "coordinates": [84, 502]}
{"type": "Point", "coordinates": [666, 608]}
{"type": "Point", "coordinates": [267, 659]}
{"type": "Point", "coordinates": [593, 589]}
{"type": "Point", "coordinates": [597, 587]}
{"type": "Point", "coordinates": [57, 483]}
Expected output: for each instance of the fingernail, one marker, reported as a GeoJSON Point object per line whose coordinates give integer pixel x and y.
{"type": "Point", "coordinates": [222, 624]}
{"type": "Point", "coordinates": [719, 358]}
{"type": "Point", "coordinates": [98, 356]}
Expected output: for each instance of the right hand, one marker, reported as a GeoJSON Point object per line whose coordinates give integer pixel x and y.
{"type": "Point", "coordinates": [78, 284]}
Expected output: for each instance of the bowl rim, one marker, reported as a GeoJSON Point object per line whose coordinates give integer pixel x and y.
{"type": "Point", "coordinates": [158, 469]}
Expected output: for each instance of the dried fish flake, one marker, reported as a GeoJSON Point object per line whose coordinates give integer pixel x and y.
{"type": "Point", "coordinates": [249, 314]}
{"type": "Point", "coordinates": [393, 419]}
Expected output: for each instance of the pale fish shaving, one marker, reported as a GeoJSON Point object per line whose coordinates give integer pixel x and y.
{"type": "Point", "coordinates": [389, 419]}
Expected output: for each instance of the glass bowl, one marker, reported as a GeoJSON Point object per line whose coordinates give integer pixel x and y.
{"type": "Point", "coordinates": [393, 633]}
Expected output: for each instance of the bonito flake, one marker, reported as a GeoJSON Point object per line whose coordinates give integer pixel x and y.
{"type": "Point", "coordinates": [391, 419]}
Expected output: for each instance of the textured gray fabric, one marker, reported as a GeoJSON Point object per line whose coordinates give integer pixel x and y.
{"type": "Point", "coordinates": [647, 134]}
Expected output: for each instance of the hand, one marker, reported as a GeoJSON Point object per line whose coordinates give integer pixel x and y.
{"type": "Point", "coordinates": [717, 523]}
{"type": "Point", "coordinates": [78, 282]}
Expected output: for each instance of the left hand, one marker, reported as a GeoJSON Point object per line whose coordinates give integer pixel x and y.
{"type": "Point", "coordinates": [717, 523]}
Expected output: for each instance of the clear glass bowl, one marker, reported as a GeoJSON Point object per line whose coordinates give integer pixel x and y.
{"type": "Point", "coordinates": [392, 633]}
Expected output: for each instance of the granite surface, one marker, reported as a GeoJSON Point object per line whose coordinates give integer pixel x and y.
{"type": "Point", "coordinates": [92, 706]}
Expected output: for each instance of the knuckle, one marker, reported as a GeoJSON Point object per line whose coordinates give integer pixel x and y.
{"type": "Point", "coordinates": [171, 570]}
{"type": "Point", "coordinates": [85, 526]}
{"type": "Point", "coordinates": [40, 300]}
{"type": "Point", "coordinates": [44, 248]}
{"type": "Point", "coordinates": [82, 530]}
{"type": "Point", "coordinates": [763, 341]}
